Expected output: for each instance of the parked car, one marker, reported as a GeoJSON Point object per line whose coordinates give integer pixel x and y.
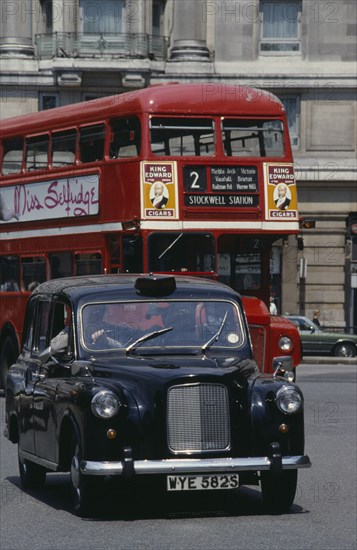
{"type": "Point", "coordinates": [125, 377]}
{"type": "Point", "coordinates": [319, 341]}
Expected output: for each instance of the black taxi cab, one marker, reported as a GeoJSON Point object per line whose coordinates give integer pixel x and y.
{"type": "Point", "coordinates": [126, 377]}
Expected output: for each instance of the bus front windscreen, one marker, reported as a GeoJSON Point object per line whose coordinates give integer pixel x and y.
{"type": "Point", "coordinates": [181, 252]}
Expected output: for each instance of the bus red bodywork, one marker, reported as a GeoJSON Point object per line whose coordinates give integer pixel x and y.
{"type": "Point", "coordinates": [77, 195]}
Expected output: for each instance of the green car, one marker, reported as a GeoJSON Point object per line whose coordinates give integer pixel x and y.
{"type": "Point", "coordinates": [318, 341]}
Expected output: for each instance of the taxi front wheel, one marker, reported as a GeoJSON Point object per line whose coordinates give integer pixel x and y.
{"type": "Point", "coordinates": [278, 490]}
{"type": "Point", "coordinates": [84, 490]}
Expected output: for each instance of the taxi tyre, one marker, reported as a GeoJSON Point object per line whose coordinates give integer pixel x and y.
{"type": "Point", "coordinates": [278, 490]}
{"type": "Point", "coordinates": [84, 489]}
{"type": "Point", "coordinates": [32, 475]}
{"type": "Point", "coordinates": [344, 350]}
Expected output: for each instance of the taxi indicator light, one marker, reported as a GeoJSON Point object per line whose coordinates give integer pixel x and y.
{"type": "Point", "coordinates": [283, 428]}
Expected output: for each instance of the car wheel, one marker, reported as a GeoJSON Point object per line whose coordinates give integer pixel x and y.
{"type": "Point", "coordinates": [344, 350]}
{"type": "Point", "coordinates": [7, 358]}
{"type": "Point", "coordinates": [84, 489]}
{"type": "Point", "coordinates": [32, 475]}
{"type": "Point", "coordinates": [278, 490]}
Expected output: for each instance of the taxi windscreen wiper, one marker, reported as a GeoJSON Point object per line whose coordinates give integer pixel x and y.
{"type": "Point", "coordinates": [215, 336]}
{"type": "Point", "coordinates": [146, 337]}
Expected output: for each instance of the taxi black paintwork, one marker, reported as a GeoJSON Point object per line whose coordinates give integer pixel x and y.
{"type": "Point", "coordinates": [48, 405]}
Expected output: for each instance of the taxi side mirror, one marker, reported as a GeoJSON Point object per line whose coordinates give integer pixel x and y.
{"type": "Point", "coordinates": [284, 366]}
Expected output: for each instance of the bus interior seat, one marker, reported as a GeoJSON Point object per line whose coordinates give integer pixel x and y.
{"type": "Point", "coordinates": [63, 158]}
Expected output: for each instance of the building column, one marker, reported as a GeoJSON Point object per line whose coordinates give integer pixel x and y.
{"type": "Point", "coordinates": [16, 28]}
{"type": "Point", "coordinates": [189, 34]}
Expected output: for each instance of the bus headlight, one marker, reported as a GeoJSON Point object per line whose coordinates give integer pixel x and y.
{"type": "Point", "coordinates": [105, 404]}
{"type": "Point", "coordinates": [285, 344]}
{"type": "Point", "coordinates": [289, 400]}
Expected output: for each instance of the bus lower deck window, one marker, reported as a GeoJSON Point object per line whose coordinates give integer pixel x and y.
{"type": "Point", "coordinates": [33, 272]}
{"type": "Point", "coordinates": [61, 264]}
{"type": "Point", "coordinates": [9, 274]}
{"type": "Point", "coordinates": [193, 252]}
{"type": "Point", "coordinates": [88, 263]}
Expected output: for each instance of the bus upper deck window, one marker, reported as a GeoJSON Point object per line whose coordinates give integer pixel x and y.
{"type": "Point", "coordinates": [64, 148]}
{"type": "Point", "coordinates": [91, 143]}
{"type": "Point", "coordinates": [253, 138]}
{"type": "Point", "coordinates": [126, 138]}
{"type": "Point", "coordinates": [12, 157]}
{"type": "Point", "coordinates": [182, 137]}
{"type": "Point", "coordinates": [37, 152]}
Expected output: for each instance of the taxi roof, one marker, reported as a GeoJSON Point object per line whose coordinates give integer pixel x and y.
{"type": "Point", "coordinates": [99, 288]}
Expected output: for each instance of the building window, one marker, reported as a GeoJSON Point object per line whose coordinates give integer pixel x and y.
{"type": "Point", "coordinates": [158, 8]}
{"type": "Point", "coordinates": [280, 26]}
{"type": "Point", "coordinates": [47, 15]}
{"type": "Point", "coordinates": [292, 107]}
{"type": "Point", "coordinates": [105, 16]}
{"type": "Point", "coordinates": [48, 101]}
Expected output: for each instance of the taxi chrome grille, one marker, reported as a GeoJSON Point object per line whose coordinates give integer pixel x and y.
{"type": "Point", "coordinates": [198, 418]}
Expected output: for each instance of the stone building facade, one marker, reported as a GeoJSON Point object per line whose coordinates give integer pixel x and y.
{"type": "Point", "coordinates": [56, 52]}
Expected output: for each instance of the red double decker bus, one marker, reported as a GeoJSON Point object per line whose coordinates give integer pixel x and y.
{"type": "Point", "coordinates": [178, 178]}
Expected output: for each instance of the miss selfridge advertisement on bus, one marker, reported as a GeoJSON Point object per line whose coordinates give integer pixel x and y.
{"type": "Point", "coordinates": [55, 198]}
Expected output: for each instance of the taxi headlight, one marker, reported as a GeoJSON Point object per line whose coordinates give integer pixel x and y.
{"type": "Point", "coordinates": [285, 344]}
{"type": "Point", "coordinates": [289, 399]}
{"type": "Point", "coordinates": [105, 404]}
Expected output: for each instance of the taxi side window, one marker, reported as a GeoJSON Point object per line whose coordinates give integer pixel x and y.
{"type": "Point", "coordinates": [61, 333]}
{"type": "Point", "coordinates": [40, 341]}
{"type": "Point", "coordinates": [29, 327]}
